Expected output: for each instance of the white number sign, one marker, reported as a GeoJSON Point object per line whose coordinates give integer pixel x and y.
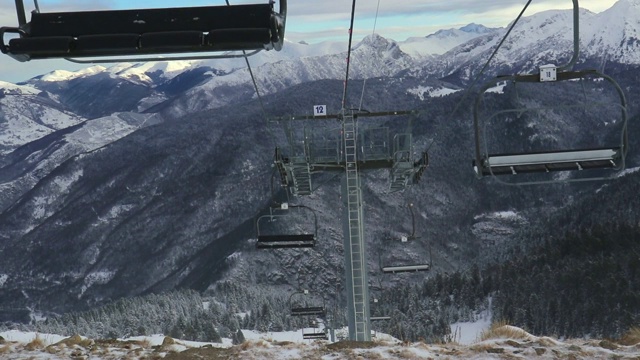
{"type": "Point", "coordinates": [320, 110]}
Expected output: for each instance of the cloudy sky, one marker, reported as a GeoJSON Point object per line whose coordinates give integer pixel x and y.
{"type": "Point", "coordinates": [315, 20]}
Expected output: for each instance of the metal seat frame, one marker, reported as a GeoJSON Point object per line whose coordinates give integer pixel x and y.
{"type": "Point", "coordinates": [405, 268]}
{"type": "Point", "coordinates": [125, 34]}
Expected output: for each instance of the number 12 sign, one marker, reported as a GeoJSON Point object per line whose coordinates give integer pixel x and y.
{"type": "Point", "coordinates": [320, 110]}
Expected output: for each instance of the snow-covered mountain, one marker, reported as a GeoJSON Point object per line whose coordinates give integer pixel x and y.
{"type": "Point", "coordinates": [27, 114]}
{"type": "Point", "coordinates": [111, 207]}
{"type": "Point", "coordinates": [442, 41]}
{"type": "Point", "coordinates": [547, 37]}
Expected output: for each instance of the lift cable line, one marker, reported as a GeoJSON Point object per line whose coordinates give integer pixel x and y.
{"type": "Point", "coordinates": [346, 79]}
{"type": "Point", "coordinates": [255, 86]}
{"type": "Point", "coordinates": [364, 83]}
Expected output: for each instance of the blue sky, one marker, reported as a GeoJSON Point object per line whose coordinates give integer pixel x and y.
{"type": "Point", "coordinates": [315, 20]}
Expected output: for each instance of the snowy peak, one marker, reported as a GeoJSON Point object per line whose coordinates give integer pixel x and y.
{"type": "Point", "coordinates": [443, 40]}
{"type": "Point", "coordinates": [622, 6]}
{"type": "Point", "coordinates": [380, 45]}
{"type": "Point", "coordinates": [547, 37]}
{"type": "Point", "coordinates": [477, 29]}
{"type": "Point", "coordinates": [63, 75]}
{"type": "Point", "coordinates": [615, 32]}
{"type": "Point", "coordinates": [465, 31]}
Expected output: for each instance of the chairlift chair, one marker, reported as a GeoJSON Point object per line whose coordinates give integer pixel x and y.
{"type": "Point", "coordinates": [305, 303]}
{"type": "Point", "coordinates": [304, 239]}
{"type": "Point", "coordinates": [373, 310]}
{"type": "Point", "coordinates": [392, 269]}
{"type": "Point", "coordinates": [403, 268]}
{"type": "Point", "coordinates": [208, 30]}
{"type": "Point", "coordinates": [612, 157]}
{"type": "Point", "coordinates": [315, 335]}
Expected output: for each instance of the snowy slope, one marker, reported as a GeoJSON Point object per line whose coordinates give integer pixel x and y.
{"type": "Point", "coordinates": [44, 156]}
{"type": "Point", "coordinates": [26, 114]}
{"type": "Point", "coordinates": [611, 35]}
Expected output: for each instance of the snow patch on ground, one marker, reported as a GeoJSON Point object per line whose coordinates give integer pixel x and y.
{"type": "Point", "coordinates": [466, 333]}
{"type": "Point", "coordinates": [423, 92]}
{"type": "Point", "coordinates": [498, 89]}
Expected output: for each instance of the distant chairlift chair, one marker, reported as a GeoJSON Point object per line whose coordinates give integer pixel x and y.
{"type": "Point", "coordinates": [316, 333]}
{"type": "Point", "coordinates": [272, 240]}
{"type": "Point", "coordinates": [208, 30]}
{"type": "Point", "coordinates": [375, 308]}
{"type": "Point", "coordinates": [496, 164]}
{"type": "Point", "coordinates": [407, 268]}
{"type": "Point", "coordinates": [304, 303]}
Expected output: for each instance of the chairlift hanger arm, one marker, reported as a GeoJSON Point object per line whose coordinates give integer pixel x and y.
{"type": "Point", "coordinates": [338, 116]}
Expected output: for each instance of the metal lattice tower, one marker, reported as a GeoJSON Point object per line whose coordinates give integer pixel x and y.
{"type": "Point", "coordinates": [343, 154]}
{"type": "Point", "coordinates": [354, 245]}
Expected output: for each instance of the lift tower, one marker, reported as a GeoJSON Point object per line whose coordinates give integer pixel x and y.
{"type": "Point", "coordinates": [350, 151]}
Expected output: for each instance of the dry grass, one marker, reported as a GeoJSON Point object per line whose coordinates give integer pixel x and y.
{"type": "Point", "coordinates": [372, 355]}
{"type": "Point", "coordinates": [348, 344]}
{"type": "Point", "coordinates": [35, 344]}
{"type": "Point", "coordinates": [253, 344]}
{"type": "Point", "coordinates": [481, 348]}
{"type": "Point", "coordinates": [501, 330]}
{"type": "Point", "coordinates": [6, 349]}
{"type": "Point", "coordinates": [631, 337]}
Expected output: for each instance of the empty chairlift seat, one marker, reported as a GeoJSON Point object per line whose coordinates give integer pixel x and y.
{"type": "Point", "coordinates": [315, 335]}
{"type": "Point", "coordinates": [305, 303]}
{"type": "Point", "coordinates": [271, 228]}
{"type": "Point", "coordinates": [545, 161]}
{"type": "Point", "coordinates": [286, 241]}
{"type": "Point", "coordinates": [146, 32]}
{"type": "Point", "coordinates": [374, 316]}
{"type": "Point", "coordinates": [405, 268]}
{"type": "Point", "coordinates": [512, 164]}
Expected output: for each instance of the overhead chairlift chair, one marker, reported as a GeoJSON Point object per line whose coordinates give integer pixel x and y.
{"type": "Point", "coordinates": [546, 161]}
{"type": "Point", "coordinates": [304, 303]}
{"type": "Point", "coordinates": [513, 163]}
{"type": "Point", "coordinates": [208, 30]}
{"type": "Point", "coordinates": [273, 240]}
{"type": "Point", "coordinates": [377, 317]}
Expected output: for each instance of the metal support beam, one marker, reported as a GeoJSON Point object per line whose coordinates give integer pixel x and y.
{"type": "Point", "coordinates": [354, 244]}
